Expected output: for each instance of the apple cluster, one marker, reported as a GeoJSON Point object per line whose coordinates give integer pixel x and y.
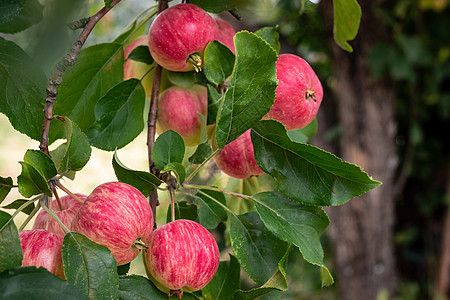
{"type": "Point", "coordinates": [177, 39]}
{"type": "Point", "coordinates": [179, 256]}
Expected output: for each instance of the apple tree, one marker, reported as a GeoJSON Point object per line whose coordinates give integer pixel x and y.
{"type": "Point", "coordinates": [213, 96]}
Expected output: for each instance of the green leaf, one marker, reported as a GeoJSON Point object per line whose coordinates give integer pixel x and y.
{"type": "Point", "coordinates": [31, 14]}
{"type": "Point", "coordinates": [303, 135]}
{"type": "Point", "coordinates": [141, 54]}
{"type": "Point", "coordinates": [251, 92]}
{"type": "Point", "coordinates": [75, 153]}
{"type": "Point", "coordinates": [36, 284]}
{"type": "Point", "coordinates": [272, 288]}
{"type": "Point", "coordinates": [9, 9]}
{"type": "Point", "coordinates": [214, 101]}
{"type": "Point", "coordinates": [183, 210]}
{"type": "Point", "coordinates": [201, 153]}
{"type": "Point", "coordinates": [41, 162]}
{"type": "Point", "coordinates": [22, 89]}
{"type": "Point", "coordinates": [225, 282]}
{"type": "Point", "coordinates": [90, 267]}
{"type": "Point", "coordinates": [305, 173]}
{"type": "Point", "coordinates": [347, 17]}
{"type": "Point", "coordinates": [215, 6]}
{"type": "Point", "coordinates": [210, 213]}
{"type": "Point", "coordinates": [257, 249]}
{"type": "Point", "coordinates": [5, 187]}
{"type": "Point", "coordinates": [296, 223]}
{"type": "Point", "coordinates": [98, 69]}
{"type": "Point", "coordinates": [108, 3]}
{"type": "Point", "coordinates": [219, 62]}
{"type": "Point", "coordinates": [143, 181]}
{"type": "Point", "coordinates": [18, 203]}
{"type": "Point", "coordinates": [185, 80]}
{"type": "Point", "coordinates": [178, 169]}
{"type": "Point", "coordinates": [31, 182]}
{"type": "Point", "coordinates": [10, 249]}
{"type": "Point", "coordinates": [119, 116]}
{"type": "Point", "coordinates": [137, 287]}
{"type": "Point", "coordinates": [169, 147]}
{"type": "Point", "coordinates": [271, 36]}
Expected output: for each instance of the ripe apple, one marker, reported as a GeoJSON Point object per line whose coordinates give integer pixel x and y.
{"type": "Point", "coordinates": [225, 33]}
{"type": "Point", "coordinates": [298, 95]}
{"type": "Point", "coordinates": [42, 248]}
{"type": "Point", "coordinates": [136, 69]}
{"type": "Point", "coordinates": [182, 255]}
{"type": "Point", "coordinates": [179, 35]}
{"type": "Point", "coordinates": [66, 213]}
{"type": "Point", "coordinates": [178, 110]}
{"type": "Point", "coordinates": [118, 216]}
{"type": "Point", "coordinates": [237, 158]}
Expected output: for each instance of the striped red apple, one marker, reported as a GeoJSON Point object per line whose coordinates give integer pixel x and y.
{"type": "Point", "coordinates": [118, 216]}
{"type": "Point", "coordinates": [237, 158]}
{"type": "Point", "coordinates": [179, 35]}
{"type": "Point", "coordinates": [298, 95]}
{"type": "Point", "coordinates": [42, 248]}
{"type": "Point", "coordinates": [182, 256]}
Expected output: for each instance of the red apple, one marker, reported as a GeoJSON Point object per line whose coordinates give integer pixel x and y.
{"type": "Point", "coordinates": [66, 213]}
{"type": "Point", "coordinates": [225, 33]}
{"type": "Point", "coordinates": [182, 255]}
{"type": "Point", "coordinates": [179, 35]}
{"type": "Point", "coordinates": [178, 110]}
{"type": "Point", "coordinates": [118, 216]}
{"type": "Point", "coordinates": [136, 69]}
{"type": "Point", "coordinates": [298, 95]}
{"type": "Point", "coordinates": [42, 248]}
{"type": "Point", "coordinates": [237, 158]}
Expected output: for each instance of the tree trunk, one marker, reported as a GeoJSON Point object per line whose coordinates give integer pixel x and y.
{"type": "Point", "coordinates": [362, 230]}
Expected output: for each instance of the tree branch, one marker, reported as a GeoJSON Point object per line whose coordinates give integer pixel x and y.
{"type": "Point", "coordinates": [152, 115]}
{"type": "Point", "coordinates": [56, 77]}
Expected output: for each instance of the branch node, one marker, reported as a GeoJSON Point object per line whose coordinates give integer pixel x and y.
{"type": "Point", "coordinates": [79, 24]}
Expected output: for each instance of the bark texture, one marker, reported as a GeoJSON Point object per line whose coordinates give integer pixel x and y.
{"type": "Point", "coordinates": [362, 230]}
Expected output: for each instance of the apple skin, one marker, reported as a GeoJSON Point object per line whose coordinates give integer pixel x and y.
{"type": "Point", "coordinates": [136, 69]}
{"type": "Point", "coordinates": [178, 32]}
{"type": "Point", "coordinates": [298, 95]}
{"type": "Point", "coordinates": [237, 158]}
{"type": "Point", "coordinates": [182, 255]}
{"type": "Point", "coordinates": [225, 33]}
{"type": "Point", "coordinates": [178, 110]}
{"type": "Point", "coordinates": [42, 248]}
{"type": "Point", "coordinates": [115, 215]}
{"type": "Point", "coordinates": [69, 209]}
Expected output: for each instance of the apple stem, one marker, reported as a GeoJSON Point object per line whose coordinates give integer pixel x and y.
{"type": "Point", "coordinates": [58, 184]}
{"type": "Point", "coordinates": [57, 199]}
{"type": "Point", "coordinates": [311, 94]}
{"type": "Point", "coordinates": [196, 61]}
{"type": "Point", "coordinates": [172, 203]}
{"type": "Point", "coordinates": [140, 244]}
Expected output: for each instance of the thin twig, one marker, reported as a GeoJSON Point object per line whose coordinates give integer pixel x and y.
{"type": "Point", "coordinates": [58, 184]}
{"type": "Point", "coordinates": [211, 188]}
{"type": "Point", "coordinates": [189, 178]}
{"type": "Point", "coordinates": [57, 199]}
{"type": "Point", "coordinates": [56, 77]}
{"type": "Point", "coordinates": [152, 114]}
{"type": "Point", "coordinates": [172, 203]}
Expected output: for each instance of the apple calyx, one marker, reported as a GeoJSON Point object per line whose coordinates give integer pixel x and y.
{"type": "Point", "coordinates": [196, 61]}
{"type": "Point", "coordinates": [140, 244]}
{"type": "Point", "coordinates": [178, 293]}
{"type": "Point", "coordinates": [311, 94]}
